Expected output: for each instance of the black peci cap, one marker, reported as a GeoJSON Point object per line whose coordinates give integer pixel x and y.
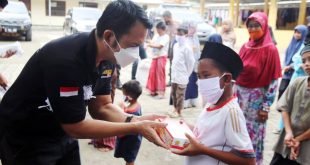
{"type": "Point", "coordinates": [3, 3]}
{"type": "Point", "coordinates": [223, 55]}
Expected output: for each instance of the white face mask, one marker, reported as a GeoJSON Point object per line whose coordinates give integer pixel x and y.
{"type": "Point", "coordinates": [210, 89]}
{"type": "Point", "coordinates": [125, 56]}
{"type": "Point", "coordinates": [180, 39]}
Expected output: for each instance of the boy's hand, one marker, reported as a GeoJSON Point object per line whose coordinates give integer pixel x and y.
{"type": "Point", "coordinates": [262, 116]}
{"type": "Point", "coordinates": [193, 148]}
{"type": "Point", "coordinates": [288, 139]}
{"type": "Point", "coordinates": [295, 148]}
{"type": "Point", "coordinates": [3, 82]}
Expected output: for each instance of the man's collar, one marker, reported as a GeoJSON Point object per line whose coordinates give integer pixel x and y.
{"type": "Point", "coordinates": [91, 51]}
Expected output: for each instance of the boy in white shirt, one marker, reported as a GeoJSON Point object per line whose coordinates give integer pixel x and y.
{"type": "Point", "coordinates": [182, 66]}
{"type": "Point", "coordinates": [221, 133]}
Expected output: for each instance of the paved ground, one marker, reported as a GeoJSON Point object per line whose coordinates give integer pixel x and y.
{"type": "Point", "coordinates": [149, 153]}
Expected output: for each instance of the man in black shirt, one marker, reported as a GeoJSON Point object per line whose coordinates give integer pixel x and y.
{"type": "Point", "coordinates": [46, 105]}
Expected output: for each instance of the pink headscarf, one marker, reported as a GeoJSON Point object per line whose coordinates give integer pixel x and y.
{"type": "Point", "coordinates": [260, 58]}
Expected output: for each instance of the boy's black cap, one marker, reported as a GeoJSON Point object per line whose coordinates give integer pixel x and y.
{"type": "Point", "coordinates": [223, 55]}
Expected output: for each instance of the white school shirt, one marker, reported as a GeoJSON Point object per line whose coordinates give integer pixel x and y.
{"type": "Point", "coordinates": [182, 63]}
{"type": "Point", "coordinates": [222, 128]}
{"type": "Point", "coordinates": [162, 40]}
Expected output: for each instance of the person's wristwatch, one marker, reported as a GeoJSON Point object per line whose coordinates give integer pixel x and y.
{"type": "Point", "coordinates": [129, 118]}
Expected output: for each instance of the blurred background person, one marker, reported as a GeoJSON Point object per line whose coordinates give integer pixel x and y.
{"type": "Point", "coordinates": [191, 94]}
{"type": "Point", "coordinates": [307, 41]}
{"type": "Point", "coordinates": [215, 38]}
{"type": "Point", "coordinates": [171, 30]}
{"type": "Point", "coordinates": [292, 63]}
{"type": "Point", "coordinates": [181, 69]}
{"type": "Point", "coordinates": [127, 147]}
{"type": "Point", "coordinates": [142, 55]}
{"type": "Point", "coordinates": [156, 83]}
{"type": "Point", "coordinates": [257, 84]}
{"type": "Point", "coordinates": [228, 34]}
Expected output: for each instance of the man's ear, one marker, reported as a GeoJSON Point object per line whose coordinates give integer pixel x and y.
{"type": "Point", "coordinates": [108, 36]}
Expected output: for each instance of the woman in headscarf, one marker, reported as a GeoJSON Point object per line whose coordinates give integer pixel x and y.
{"type": "Point", "coordinates": [228, 34]}
{"type": "Point", "coordinates": [215, 38]}
{"type": "Point", "coordinates": [292, 63]}
{"type": "Point", "coordinates": [191, 93]}
{"type": "Point", "coordinates": [257, 84]}
{"type": "Point", "coordinates": [295, 46]}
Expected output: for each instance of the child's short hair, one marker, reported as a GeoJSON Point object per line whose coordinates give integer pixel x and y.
{"type": "Point", "coordinates": [305, 49]}
{"type": "Point", "coordinates": [132, 88]}
{"type": "Point", "coordinates": [161, 25]}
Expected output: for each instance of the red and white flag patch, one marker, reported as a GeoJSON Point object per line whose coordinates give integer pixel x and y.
{"type": "Point", "coordinates": [69, 91]}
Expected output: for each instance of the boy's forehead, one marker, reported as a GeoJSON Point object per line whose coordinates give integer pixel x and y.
{"type": "Point", "coordinates": [306, 54]}
{"type": "Point", "coordinates": [206, 63]}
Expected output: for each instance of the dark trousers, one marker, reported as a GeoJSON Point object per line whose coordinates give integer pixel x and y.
{"type": "Point", "coordinates": [134, 69]}
{"type": "Point", "coordinates": [279, 160]}
{"type": "Point", "coordinates": [283, 85]}
{"type": "Point", "coordinates": [64, 151]}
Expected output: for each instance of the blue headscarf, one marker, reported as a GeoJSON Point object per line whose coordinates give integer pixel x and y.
{"type": "Point", "coordinates": [295, 44]}
{"type": "Point", "coordinates": [215, 38]}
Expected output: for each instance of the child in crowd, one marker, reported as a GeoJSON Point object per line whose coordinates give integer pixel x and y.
{"type": "Point", "coordinates": [221, 133]}
{"type": "Point", "coordinates": [292, 63]}
{"type": "Point", "coordinates": [128, 146]}
{"type": "Point", "coordinates": [156, 83]}
{"type": "Point", "coordinates": [181, 68]}
{"type": "Point", "coordinates": [293, 146]}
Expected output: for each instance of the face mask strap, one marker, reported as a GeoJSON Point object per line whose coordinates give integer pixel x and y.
{"type": "Point", "coordinates": [224, 74]}
{"type": "Point", "coordinates": [116, 42]}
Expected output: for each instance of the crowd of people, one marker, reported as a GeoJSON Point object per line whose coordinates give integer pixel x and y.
{"type": "Point", "coordinates": [237, 91]}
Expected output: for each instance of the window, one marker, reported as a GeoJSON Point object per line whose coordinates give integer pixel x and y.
{"type": "Point", "coordinates": [88, 4]}
{"type": "Point", "coordinates": [58, 8]}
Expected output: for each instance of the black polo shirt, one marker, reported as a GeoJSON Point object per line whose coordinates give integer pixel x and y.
{"type": "Point", "coordinates": [54, 87]}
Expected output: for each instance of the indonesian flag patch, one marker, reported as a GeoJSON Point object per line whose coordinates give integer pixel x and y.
{"type": "Point", "coordinates": [69, 91]}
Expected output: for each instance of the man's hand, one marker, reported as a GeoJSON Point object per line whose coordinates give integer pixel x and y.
{"type": "Point", "coordinates": [147, 130]}
{"type": "Point", "coordinates": [3, 81]}
{"type": "Point", "coordinates": [193, 148]}
{"type": "Point", "coordinates": [152, 117]}
{"type": "Point", "coordinates": [262, 116]}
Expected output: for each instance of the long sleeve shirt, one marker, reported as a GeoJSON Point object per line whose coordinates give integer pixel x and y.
{"type": "Point", "coordinates": [182, 64]}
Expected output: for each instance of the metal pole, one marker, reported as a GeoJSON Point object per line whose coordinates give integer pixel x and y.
{"type": "Point", "coordinates": [302, 12]}
{"type": "Point", "coordinates": [49, 7]}
{"type": "Point", "coordinates": [266, 6]}
{"type": "Point", "coordinates": [202, 8]}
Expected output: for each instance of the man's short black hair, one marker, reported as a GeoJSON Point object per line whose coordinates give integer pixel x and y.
{"type": "Point", "coordinates": [120, 16]}
{"type": "Point", "coordinates": [161, 25]}
{"type": "Point", "coordinates": [132, 88]}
